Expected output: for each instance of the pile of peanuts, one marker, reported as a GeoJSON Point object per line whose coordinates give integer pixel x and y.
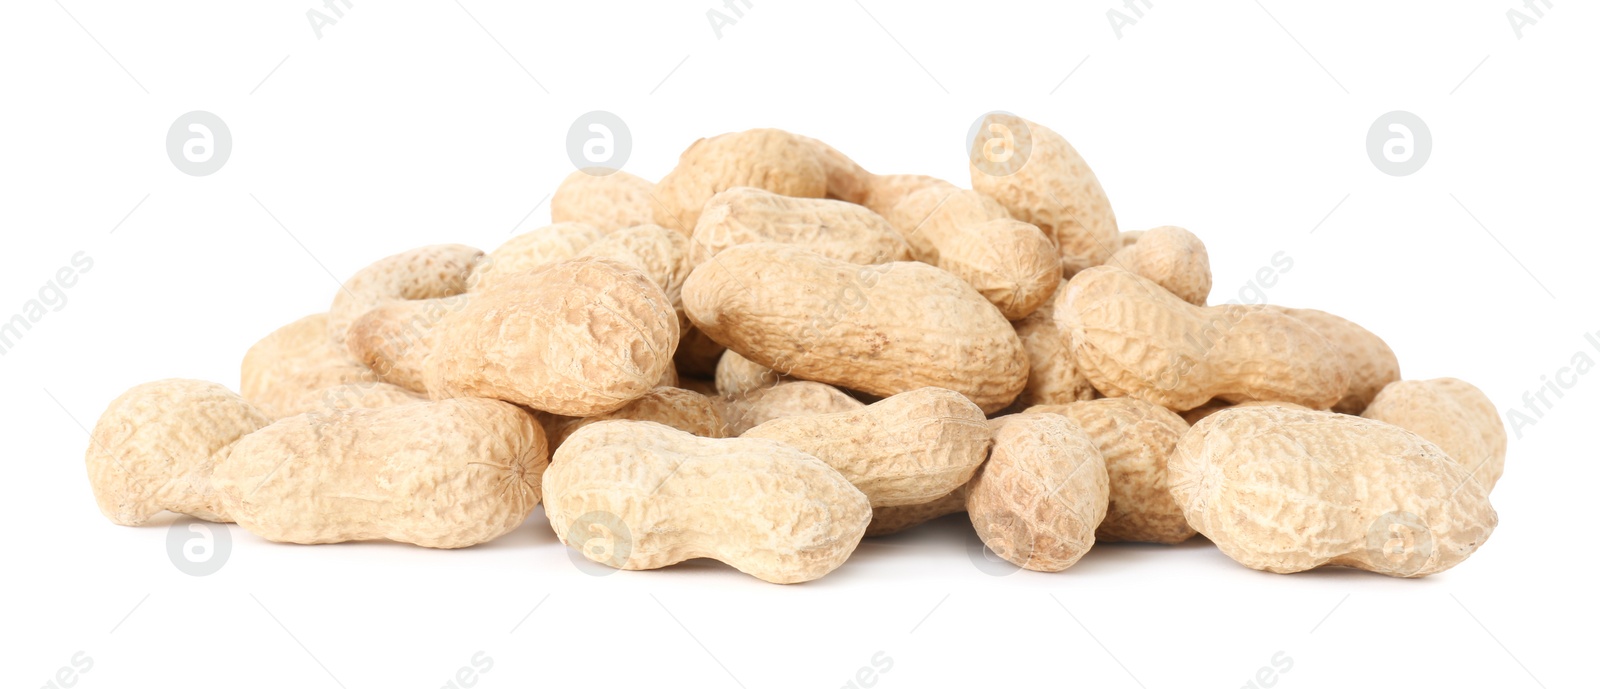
{"type": "Point", "coordinates": [771, 353]}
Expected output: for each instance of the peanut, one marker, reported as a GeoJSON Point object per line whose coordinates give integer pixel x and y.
{"type": "Point", "coordinates": [394, 340]}
{"type": "Point", "coordinates": [1053, 374]}
{"type": "Point", "coordinates": [283, 373]}
{"type": "Point", "coordinates": [836, 229]}
{"type": "Point", "coordinates": [796, 398]}
{"type": "Point", "coordinates": [1454, 415]}
{"type": "Point", "coordinates": [847, 181]}
{"type": "Point", "coordinates": [1009, 262]}
{"type": "Point", "coordinates": [1371, 363]}
{"type": "Point", "coordinates": [156, 447]}
{"type": "Point", "coordinates": [1131, 338]}
{"type": "Point", "coordinates": [1135, 438]}
{"type": "Point", "coordinates": [576, 338]}
{"type": "Point", "coordinates": [769, 159]}
{"type": "Point", "coordinates": [1171, 257]}
{"type": "Point", "coordinates": [1193, 416]}
{"type": "Point", "coordinates": [661, 253]}
{"type": "Point", "coordinates": [770, 511]}
{"type": "Point", "coordinates": [738, 376]}
{"type": "Point", "coordinates": [908, 449]}
{"type": "Point", "coordinates": [684, 410]}
{"type": "Point", "coordinates": [887, 521]}
{"type": "Point", "coordinates": [532, 250]}
{"type": "Point", "coordinates": [428, 272]}
{"type": "Point", "coordinates": [881, 329]}
{"type": "Point", "coordinates": [606, 202]}
{"type": "Point", "coordinates": [1054, 189]}
{"type": "Point", "coordinates": [1038, 500]}
{"type": "Point", "coordinates": [1286, 490]}
{"type": "Point", "coordinates": [446, 474]}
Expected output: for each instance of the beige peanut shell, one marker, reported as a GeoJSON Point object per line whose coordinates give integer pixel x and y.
{"type": "Point", "coordinates": [770, 159]}
{"type": "Point", "coordinates": [1054, 189]}
{"type": "Point", "coordinates": [1370, 361]}
{"type": "Point", "coordinates": [394, 339]}
{"type": "Point", "coordinates": [847, 181]}
{"type": "Point", "coordinates": [682, 409]}
{"type": "Point", "coordinates": [1132, 338]}
{"type": "Point", "coordinates": [661, 253]}
{"type": "Point", "coordinates": [427, 272]}
{"type": "Point", "coordinates": [885, 192]}
{"type": "Point", "coordinates": [1287, 490]}
{"type": "Point", "coordinates": [880, 329]}
{"type": "Point", "coordinates": [156, 446]}
{"type": "Point", "coordinates": [784, 400]}
{"type": "Point", "coordinates": [576, 338]}
{"type": "Point", "coordinates": [1009, 262]}
{"type": "Point", "coordinates": [907, 449]}
{"type": "Point", "coordinates": [887, 521]}
{"type": "Point", "coordinates": [1135, 438]}
{"type": "Point", "coordinates": [738, 376]}
{"type": "Point", "coordinates": [1171, 257]}
{"type": "Point", "coordinates": [640, 495]}
{"type": "Point", "coordinates": [282, 374]}
{"type": "Point", "coordinates": [446, 474]}
{"type": "Point", "coordinates": [1453, 414]}
{"type": "Point", "coordinates": [836, 229]}
{"type": "Point", "coordinates": [1193, 416]}
{"type": "Point", "coordinates": [533, 250]}
{"type": "Point", "coordinates": [1038, 500]}
{"type": "Point", "coordinates": [604, 199]}
{"type": "Point", "coordinates": [1053, 375]}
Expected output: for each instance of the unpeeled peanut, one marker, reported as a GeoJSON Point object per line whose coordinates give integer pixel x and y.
{"type": "Point", "coordinates": [1038, 500]}
{"type": "Point", "coordinates": [1053, 374]}
{"type": "Point", "coordinates": [607, 200]}
{"type": "Point", "coordinates": [283, 373]}
{"type": "Point", "coordinates": [770, 159]}
{"type": "Point", "coordinates": [1452, 413]}
{"type": "Point", "coordinates": [1171, 257]}
{"type": "Point", "coordinates": [786, 399]}
{"type": "Point", "coordinates": [1370, 361]}
{"type": "Point", "coordinates": [1009, 262]}
{"type": "Point", "coordinates": [836, 229]}
{"type": "Point", "coordinates": [427, 272]}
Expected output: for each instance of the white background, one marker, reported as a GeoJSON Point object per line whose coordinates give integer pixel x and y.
{"type": "Point", "coordinates": [411, 123]}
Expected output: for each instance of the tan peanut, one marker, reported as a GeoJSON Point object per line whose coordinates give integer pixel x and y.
{"type": "Point", "coordinates": [428, 272]}
{"type": "Point", "coordinates": [1053, 375]}
{"type": "Point", "coordinates": [1009, 262]}
{"type": "Point", "coordinates": [605, 199]}
{"type": "Point", "coordinates": [887, 521]}
{"type": "Point", "coordinates": [576, 338]}
{"type": "Point", "coordinates": [533, 250]}
{"type": "Point", "coordinates": [394, 340]}
{"type": "Point", "coordinates": [640, 495]}
{"type": "Point", "coordinates": [1286, 490]}
{"type": "Point", "coordinates": [1171, 257]}
{"type": "Point", "coordinates": [1132, 338]}
{"type": "Point", "coordinates": [661, 253]}
{"type": "Point", "coordinates": [1053, 189]}
{"type": "Point", "coordinates": [770, 159]}
{"type": "Point", "coordinates": [907, 449]}
{"type": "Point", "coordinates": [885, 192]}
{"type": "Point", "coordinates": [847, 181]}
{"type": "Point", "coordinates": [685, 410]}
{"type": "Point", "coordinates": [446, 474]}
{"type": "Point", "coordinates": [283, 373]}
{"type": "Point", "coordinates": [1371, 363]}
{"type": "Point", "coordinates": [157, 445]}
{"type": "Point", "coordinates": [1038, 500]}
{"type": "Point", "coordinates": [1135, 438]}
{"type": "Point", "coordinates": [784, 400]}
{"type": "Point", "coordinates": [880, 329]}
{"type": "Point", "coordinates": [1193, 416]}
{"type": "Point", "coordinates": [738, 376]}
{"type": "Point", "coordinates": [1453, 414]}
{"type": "Point", "coordinates": [836, 229]}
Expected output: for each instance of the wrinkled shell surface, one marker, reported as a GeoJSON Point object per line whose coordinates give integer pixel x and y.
{"type": "Point", "coordinates": [1054, 190]}
{"type": "Point", "coordinates": [1173, 258]}
{"type": "Point", "coordinates": [835, 229]}
{"type": "Point", "coordinates": [904, 450]}
{"type": "Point", "coordinates": [881, 329]}
{"type": "Point", "coordinates": [661, 253]}
{"type": "Point", "coordinates": [796, 398]}
{"type": "Point", "coordinates": [155, 447]}
{"type": "Point", "coordinates": [1193, 416]}
{"type": "Point", "coordinates": [282, 374]}
{"type": "Point", "coordinates": [1453, 414]}
{"type": "Point", "coordinates": [533, 250]}
{"type": "Point", "coordinates": [1041, 495]}
{"type": "Point", "coordinates": [1131, 338]}
{"type": "Point", "coordinates": [577, 338]}
{"type": "Point", "coordinates": [445, 474]}
{"type": "Point", "coordinates": [1053, 375]}
{"type": "Point", "coordinates": [1286, 490]}
{"type": "Point", "coordinates": [606, 202]}
{"type": "Point", "coordinates": [892, 520]}
{"type": "Point", "coordinates": [738, 376]}
{"type": "Point", "coordinates": [847, 181]}
{"type": "Point", "coordinates": [1009, 262]}
{"type": "Point", "coordinates": [1372, 364]}
{"type": "Point", "coordinates": [395, 339]}
{"type": "Point", "coordinates": [428, 272]}
{"type": "Point", "coordinates": [885, 192]}
{"type": "Point", "coordinates": [1135, 438]}
{"type": "Point", "coordinates": [769, 159]}
{"type": "Point", "coordinates": [639, 495]}
{"type": "Point", "coordinates": [685, 410]}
